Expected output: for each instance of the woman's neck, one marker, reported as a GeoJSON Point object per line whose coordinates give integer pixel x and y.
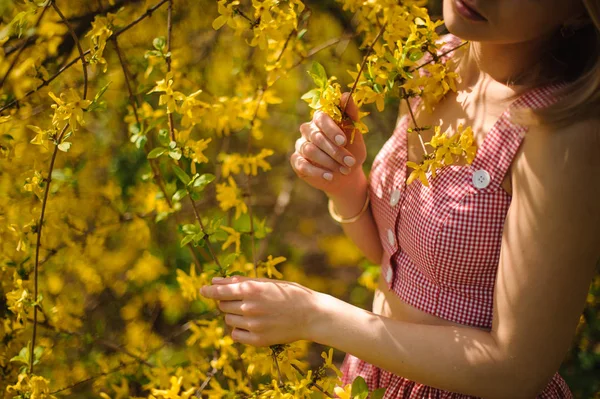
{"type": "Point", "coordinates": [503, 63]}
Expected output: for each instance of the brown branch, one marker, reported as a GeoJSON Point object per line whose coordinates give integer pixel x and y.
{"type": "Point", "coordinates": [148, 13]}
{"type": "Point", "coordinates": [362, 67]}
{"type": "Point", "coordinates": [153, 164]}
{"type": "Point", "coordinates": [172, 135]}
{"type": "Point", "coordinates": [22, 47]}
{"type": "Point", "coordinates": [210, 375]}
{"type": "Point", "coordinates": [45, 201]}
{"type": "Point", "coordinates": [114, 370]}
{"type": "Point", "coordinates": [79, 48]}
{"type": "Point", "coordinates": [38, 246]}
{"type": "Point", "coordinates": [417, 128]}
{"type": "Point", "coordinates": [315, 384]}
{"type": "Point", "coordinates": [441, 55]}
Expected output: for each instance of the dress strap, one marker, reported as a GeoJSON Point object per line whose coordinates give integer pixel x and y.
{"type": "Point", "coordinates": [502, 142]}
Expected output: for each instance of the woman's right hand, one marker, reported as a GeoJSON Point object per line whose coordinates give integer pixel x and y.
{"type": "Point", "coordinates": [324, 158]}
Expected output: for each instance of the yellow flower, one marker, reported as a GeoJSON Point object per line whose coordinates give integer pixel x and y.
{"type": "Point", "coordinates": [419, 172]}
{"type": "Point", "coordinates": [170, 97]}
{"type": "Point", "coordinates": [343, 393]}
{"type": "Point", "coordinates": [35, 387]}
{"type": "Point", "coordinates": [195, 148]}
{"type": "Point", "coordinates": [232, 238]}
{"type": "Point", "coordinates": [173, 392]}
{"type": "Point", "coordinates": [69, 106]}
{"type": "Point", "coordinates": [228, 197]}
{"type": "Point", "coordinates": [226, 11]}
{"type": "Point", "coordinates": [269, 266]}
{"type": "Point", "coordinates": [147, 268]}
{"type": "Point", "coordinates": [467, 143]}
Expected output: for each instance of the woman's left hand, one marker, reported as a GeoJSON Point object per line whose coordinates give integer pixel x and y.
{"type": "Point", "coordinates": [263, 311]}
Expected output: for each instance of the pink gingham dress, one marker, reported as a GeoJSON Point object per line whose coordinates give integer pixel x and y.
{"type": "Point", "coordinates": [442, 243]}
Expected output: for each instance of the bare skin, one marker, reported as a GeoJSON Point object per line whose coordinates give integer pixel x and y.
{"type": "Point", "coordinates": [549, 242]}
{"type": "Point", "coordinates": [480, 107]}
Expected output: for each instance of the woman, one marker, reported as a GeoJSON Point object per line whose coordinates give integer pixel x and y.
{"type": "Point", "coordinates": [485, 272]}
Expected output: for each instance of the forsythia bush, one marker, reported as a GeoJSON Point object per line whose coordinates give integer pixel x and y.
{"type": "Point", "coordinates": [143, 150]}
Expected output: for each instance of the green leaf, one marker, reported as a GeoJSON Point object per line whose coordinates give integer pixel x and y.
{"type": "Point", "coordinates": [196, 196]}
{"type": "Point", "coordinates": [228, 260]}
{"type": "Point", "coordinates": [190, 229]}
{"type": "Point", "coordinates": [64, 146]}
{"type": "Point", "coordinates": [378, 393]}
{"type": "Point", "coordinates": [181, 175]}
{"type": "Point", "coordinates": [163, 137]}
{"type": "Point", "coordinates": [161, 216]}
{"type": "Point", "coordinates": [134, 128]}
{"type": "Point", "coordinates": [359, 387]}
{"type": "Point", "coordinates": [157, 152]}
{"type": "Point", "coordinates": [159, 43]}
{"type": "Point", "coordinates": [317, 72]}
{"type": "Point", "coordinates": [175, 154]}
{"type": "Point", "coordinates": [172, 144]}
{"type": "Point", "coordinates": [201, 181]}
{"type": "Point", "coordinates": [179, 195]}
{"type": "Point", "coordinates": [301, 33]}
{"type": "Point", "coordinates": [186, 240]}
{"type": "Point", "coordinates": [415, 55]}
{"type": "Point", "coordinates": [96, 101]}
{"type": "Point", "coordinates": [140, 142]}
{"type": "Point", "coordinates": [152, 53]}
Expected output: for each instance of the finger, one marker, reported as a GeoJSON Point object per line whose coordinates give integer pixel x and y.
{"type": "Point", "coordinates": [307, 170]}
{"type": "Point", "coordinates": [233, 307]}
{"type": "Point", "coordinates": [230, 279]}
{"type": "Point", "coordinates": [318, 157]}
{"type": "Point", "coordinates": [247, 337]}
{"type": "Point", "coordinates": [229, 292]}
{"type": "Point", "coordinates": [330, 128]}
{"type": "Point", "coordinates": [339, 154]}
{"type": "Point", "coordinates": [244, 322]}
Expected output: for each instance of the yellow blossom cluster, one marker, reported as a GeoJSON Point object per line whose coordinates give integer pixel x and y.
{"type": "Point", "coordinates": [119, 227]}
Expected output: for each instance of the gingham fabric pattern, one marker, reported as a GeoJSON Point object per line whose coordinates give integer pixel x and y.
{"type": "Point", "coordinates": [442, 243]}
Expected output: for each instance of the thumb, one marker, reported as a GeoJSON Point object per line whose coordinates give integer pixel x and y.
{"type": "Point", "coordinates": [350, 106]}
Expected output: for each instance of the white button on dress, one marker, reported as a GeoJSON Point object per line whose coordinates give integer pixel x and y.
{"type": "Point", "coordinates": [481, 179]}
{"type": "Point", "coordinates": [395, 197]}
{"type": "Point", "coordinates": [391, 238]}
{"type": "Point", "coordinates": [389, 275]}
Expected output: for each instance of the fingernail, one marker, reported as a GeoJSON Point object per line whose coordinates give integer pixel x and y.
{"type": "Point", "coordinates": [340, 140]}
{"type": "Point", "coordinates": [327, 176]}
{"type": "Point", "coordinates": [217, 278]}
{"type": "Point", "coordinates": [349, 160]}
{"type": "Point", "coordinates": [344, 170]}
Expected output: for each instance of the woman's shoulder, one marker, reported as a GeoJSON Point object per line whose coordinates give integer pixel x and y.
{"type": "Point", "coordinates": [562, 155]}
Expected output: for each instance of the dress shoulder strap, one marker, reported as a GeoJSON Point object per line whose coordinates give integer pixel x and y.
{"type": "Point", "coordinates": [502, 142]}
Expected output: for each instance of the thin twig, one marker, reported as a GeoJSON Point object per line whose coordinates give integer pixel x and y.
{"type": "Point", "coordinates": [155, 168]}
{"type": "Point", "coordinates": [76, 40]}
{"type": "Point", "coordinates": [23, 46]}
{"type": "Point", "coordinates": [417, 128]}
{"type": "Point", "coordinates": [441, 55]}
{"type": "Point", "coordinates": [315, 384]}
{"type": "Point", "coordinates": [38, 246]}
{"type": "Point", "coordinates": [114, 370]}
{"type": "Point", "coordinates": [362, 65]}
{"type": "Point", "coordinates": [14, 102]}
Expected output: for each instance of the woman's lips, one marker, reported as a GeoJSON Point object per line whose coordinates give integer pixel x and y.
{"type": "Point", "coordinates": [467, 11]}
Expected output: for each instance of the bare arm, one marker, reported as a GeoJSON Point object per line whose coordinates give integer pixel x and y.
{"type": "Point", "coordinates": [363, 232]}
{"type": "Point", "coordinates": [549, 251]}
